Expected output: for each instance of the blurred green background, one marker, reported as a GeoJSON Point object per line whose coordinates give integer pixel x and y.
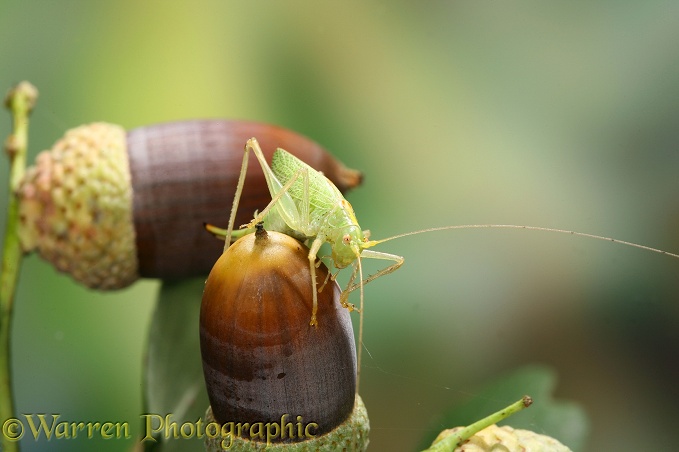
{"type": "Point", "coordinates": [558, 114]}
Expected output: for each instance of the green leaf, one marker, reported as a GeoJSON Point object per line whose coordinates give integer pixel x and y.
{"type": "Point", "coordinates": [174, 382]}
{"type": "Point", "coordinates": [565, 421]}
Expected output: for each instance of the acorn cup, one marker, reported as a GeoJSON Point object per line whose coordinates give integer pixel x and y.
{"type": "Point", "coordinates": [109, 207]}
{"type": "Point", "coordinates": [272, 379]}
{"type": "Point", "coordinates": [495, 438]}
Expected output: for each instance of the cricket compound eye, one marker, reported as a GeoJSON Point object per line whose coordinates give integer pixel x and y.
{"type": "Point", "coordinates": [264, 364]}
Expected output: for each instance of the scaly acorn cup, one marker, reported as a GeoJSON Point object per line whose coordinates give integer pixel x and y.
{"type": "Point", "coordinates": [291, 383]}
{"type": "Point", "coordinates": [485, 436]}
{"type": "Point", "coordinates": [494, 438]}
{"type": "Point", "coordinates": [109, 206]}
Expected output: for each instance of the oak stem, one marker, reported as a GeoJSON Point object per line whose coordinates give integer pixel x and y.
{"type": "Point", "coordinates": [451, 442]}
{"type": "Point", "coordinates": [20, 101]}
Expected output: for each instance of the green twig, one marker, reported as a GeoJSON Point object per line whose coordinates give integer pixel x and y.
{"type": "Point", "coordinates": [451, 442]}
{"type": "Point", "coordinates": [20, 101]}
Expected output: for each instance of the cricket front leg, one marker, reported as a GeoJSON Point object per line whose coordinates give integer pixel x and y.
{"type": "Point", "coordinates": [345, 293]}
{"type": "Point", "coordinates": [313, 252]}
{"type": "Point", "coordinates": [369, 254]}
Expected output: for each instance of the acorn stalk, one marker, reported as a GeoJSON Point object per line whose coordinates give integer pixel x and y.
{"type": "Point", "coordinates": [20, 101]}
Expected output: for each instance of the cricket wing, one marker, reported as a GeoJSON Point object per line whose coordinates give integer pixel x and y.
{"type": "Point", "coordinates": [323, 195]}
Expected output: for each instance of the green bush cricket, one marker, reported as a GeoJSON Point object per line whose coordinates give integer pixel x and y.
{"type": "Point", "coordinates": [308, 206]}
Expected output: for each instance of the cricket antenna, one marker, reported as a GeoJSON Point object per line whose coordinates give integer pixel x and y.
{"type": "Point", "coordinates": [360, 324]}
{"type": "Point", "coordinates": [529, 228]}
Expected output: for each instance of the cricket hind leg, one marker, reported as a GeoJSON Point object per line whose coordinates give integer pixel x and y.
{"type": "Point", "coordinates": [351, 286]}
{"type": "Point", "coordinates": [289, 212]}
{"type": "Point", "coordinates": [297, 216]}
{"type": "Point", "coordinates": [279, 194]}
{"type": "Point", "coordinates": [239, 192]}
{"type": "Point", "coordinates": [313, 252]}
{"type": "Point", "coordinates": [251, 145]}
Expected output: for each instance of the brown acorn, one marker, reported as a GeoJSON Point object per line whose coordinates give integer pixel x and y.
{"type": "Point", "coordinates": [263, 362]}
{"type": "Point", "coordinates": [109, 206]}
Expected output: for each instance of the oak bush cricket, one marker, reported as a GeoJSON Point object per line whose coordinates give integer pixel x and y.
{"type": "Point", "coordinates": [307, 206]}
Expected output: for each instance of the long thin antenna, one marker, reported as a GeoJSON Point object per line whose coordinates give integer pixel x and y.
{"type": "Point", "coordinates": [530, 228]}
{"type": "Point", "coordinates": [360, 325]}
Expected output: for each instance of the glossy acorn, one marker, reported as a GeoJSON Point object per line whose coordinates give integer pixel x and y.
{"type": "Point", "coordinates": [110, 206]}
{"type": "Point", "coordinates": [263, 362]}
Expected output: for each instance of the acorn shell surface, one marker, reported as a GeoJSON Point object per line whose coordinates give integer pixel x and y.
{"type": "Point", "coordinates": [261, 358]}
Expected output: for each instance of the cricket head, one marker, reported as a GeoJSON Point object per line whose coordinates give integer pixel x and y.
{"type": "Point", "coordinates": [348, 247]}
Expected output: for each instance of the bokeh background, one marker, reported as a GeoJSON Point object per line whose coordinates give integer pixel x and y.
{"type": "Point", "coordinates": [558, 114]}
